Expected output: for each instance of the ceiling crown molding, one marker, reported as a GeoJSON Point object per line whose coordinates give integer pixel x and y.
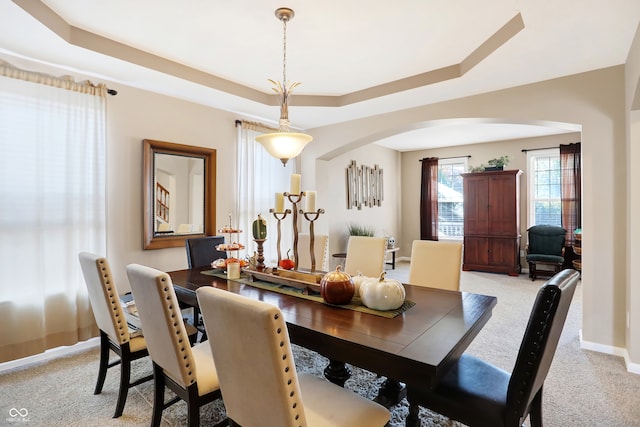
{"type": "Point", "coordinates": [88, 40]}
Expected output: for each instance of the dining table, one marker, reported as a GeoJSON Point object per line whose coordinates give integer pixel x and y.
{"type": "Point", "coordinates": [417, 345]}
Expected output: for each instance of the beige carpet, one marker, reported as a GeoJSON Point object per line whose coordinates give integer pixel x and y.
{"type": "Point", "coordinates": [583, 388]}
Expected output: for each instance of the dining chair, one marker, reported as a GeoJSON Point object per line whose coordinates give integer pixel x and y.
{"type": "Point", "coordinates": [436, 264]}
{"type": "Point", "coordinates": [365, 255]}
{"type": "Point", "coordinates": [320, 251]}
{"type": "Point", "coordinates": [201, 251]}
{"type": "Point", "coordinates": [188, 371]}
{"type": "Point", "coordinates": [114, 330]}
{"type": "Point", "coordinates": [272, 393]}
{"type": "Point", "coordinates": [479, 394]}
{"type": "Point", "coordinates": [545, 246]}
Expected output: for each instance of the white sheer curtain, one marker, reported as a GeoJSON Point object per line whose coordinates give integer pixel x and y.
{"type": "Point", "coordinates": [260, 177]}
{"type": "Point", "coordinates": [52, 206]}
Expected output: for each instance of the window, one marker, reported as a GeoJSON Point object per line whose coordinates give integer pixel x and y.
{"type": "Point", "coordinates": [260, 177]}
{"type": "Point", "coordinates": [544, 187]}
{"type": "Point", "coordinates": [52, 206]}
{"type": "Point", "coordinates": [450, 199]}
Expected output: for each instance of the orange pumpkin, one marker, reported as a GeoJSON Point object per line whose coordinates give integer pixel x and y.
{"type": "Point", "coordinates": [287, 263]}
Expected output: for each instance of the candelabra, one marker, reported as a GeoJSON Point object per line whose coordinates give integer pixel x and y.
{"type": "Point", "coordinates": [311, 216]}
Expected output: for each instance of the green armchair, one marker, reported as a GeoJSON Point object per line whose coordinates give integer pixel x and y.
{"type": "Point", "coordinates": [545, 247]}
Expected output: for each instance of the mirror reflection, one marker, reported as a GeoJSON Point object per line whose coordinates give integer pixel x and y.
{"type": "Point", "coordinates": [179, 194]}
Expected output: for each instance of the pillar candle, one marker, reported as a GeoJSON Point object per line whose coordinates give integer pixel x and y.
{"type": "Point", "coordinates": [311, 201]}
{"type": "Point", "coordinates": [279, 203]}
{"type": "Point", "coordinates": [295, 184]}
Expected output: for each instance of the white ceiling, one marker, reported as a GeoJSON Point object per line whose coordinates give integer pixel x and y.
{"type": "Point", "coordinates": [222, 53]}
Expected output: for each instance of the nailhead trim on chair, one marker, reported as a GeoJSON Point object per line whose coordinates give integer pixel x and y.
{"type": "Point", "coordinates": [286, 365]}
{"type": "Point", "coordinates": [116, 308]}
{"type": "Point", "coordinates": [188, 376]}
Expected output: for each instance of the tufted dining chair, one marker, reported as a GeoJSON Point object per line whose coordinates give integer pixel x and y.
{"type": "Point", "coordinates": [114, 330]}
{"type": "Point", "coordinates": [255, 334]}
{"type": "Point", "coordinates": [478, 394]}
{"type": "Point", "coordinates": [436, 264]}
{"type": "Point", "coordinates": [365, 255]}
{"type": "Point", "coordinates": [320, 250]}
{"type": "Point", "coordinates": [188, 371]}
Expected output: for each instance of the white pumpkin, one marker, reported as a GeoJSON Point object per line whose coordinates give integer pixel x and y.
{"type": "Point", "coordinates": [357, 281]}
{"type": "Point", "coordinates": [382, 294]}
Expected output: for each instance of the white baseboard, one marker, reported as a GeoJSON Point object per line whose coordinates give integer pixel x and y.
{"type": "Point", "coordinates": [50, 354]}
{"type": "Point", "coordinates": [633, 368]}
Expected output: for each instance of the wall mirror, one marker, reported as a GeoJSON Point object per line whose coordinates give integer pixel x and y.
{"type": "Point", "coordinates": [179, 193]}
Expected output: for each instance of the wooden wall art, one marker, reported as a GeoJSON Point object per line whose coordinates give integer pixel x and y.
{"type": "Point", "coordinates": [364, 186]}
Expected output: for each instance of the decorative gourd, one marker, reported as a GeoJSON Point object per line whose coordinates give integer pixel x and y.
{"type": "Point", "coordinates": [382, 294]}
{"type": "Point", "coordinates": [260, 228]}
{"type": "Point", "coordinates": [287, 263]}
{"type": "Point", "coordinates": [357, 281]}
{"type": "Point", "coordinates": [336, 287]}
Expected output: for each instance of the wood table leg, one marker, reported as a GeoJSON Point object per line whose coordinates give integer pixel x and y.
{"type": "Point", "coordinates": [337, 372]}
{"type": "Point", "coordinates": [391, 393]}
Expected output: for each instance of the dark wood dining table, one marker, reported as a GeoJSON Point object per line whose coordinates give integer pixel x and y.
{"type": "Point", "coordinates": [417, 346]}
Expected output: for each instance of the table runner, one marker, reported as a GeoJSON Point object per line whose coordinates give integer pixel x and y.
{"type": "Point", "coordinates": [355, 304]}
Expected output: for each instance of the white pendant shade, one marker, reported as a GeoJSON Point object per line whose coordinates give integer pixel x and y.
{"type": "Point", "coordinates": [284, 145]}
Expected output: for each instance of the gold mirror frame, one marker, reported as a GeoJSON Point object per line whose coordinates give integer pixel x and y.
{"type": "Point", "coordinates": [153, 240]}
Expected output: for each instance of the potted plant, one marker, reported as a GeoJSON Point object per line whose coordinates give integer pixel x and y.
{"type": "Point", "coordinates": [361, 230]}
{"type": "Point", "coordinates": [497, 164]}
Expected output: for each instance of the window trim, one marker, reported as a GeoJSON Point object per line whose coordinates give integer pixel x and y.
{"type": "Point", "coordinates": [531, 157]}
{"type": "Point", "coordinates": [447, 161]}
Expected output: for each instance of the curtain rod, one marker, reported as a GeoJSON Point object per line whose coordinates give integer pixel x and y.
{"type": "Point", "coordinates": [452, 157]}
{"type": "Point", "coordinates": [524, 150]}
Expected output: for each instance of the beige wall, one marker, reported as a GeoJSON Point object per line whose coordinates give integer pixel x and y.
{"type": "Point", "coordinates": [592, 100]}
{"type": "Point", "coordinates": [632, 92]}
{"type": "Point", "coordinates": [385, 219]}
{"type": "Point", "coordinates": [132, 116]}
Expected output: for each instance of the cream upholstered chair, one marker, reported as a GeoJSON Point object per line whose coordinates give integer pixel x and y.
{"type": "Point", "coordinates": [184, 228]}
{"type": "Point", "coordinates": [436, 264]}
{"type": "Point", "coordinates": [320, 250]}
{"type": "Point", "coordinates": [255, 334]}
{"type": "Point", "coordinates": [365, 255]}
{"type": "Point", "coordinates": [114, 331]}
{"type": "Point", "coordinates": [188, 371]}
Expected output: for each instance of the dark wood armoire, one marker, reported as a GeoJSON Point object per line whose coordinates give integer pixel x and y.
{"type": "Point", "coordinates": [492, 221]}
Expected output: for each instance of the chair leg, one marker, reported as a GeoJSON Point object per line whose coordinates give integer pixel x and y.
{"type": "Point", "coordinates": [532, 269]}
{"type": "Point", "coordinates": [535, 413]}
{"type": "Point", "coordinates": [104, 362]}
{"type": "Point", "coordinates": [412, 418]}
{"type": "Point", "coordinates": [193, 407]}
{"type": "Point", "coordinates": [158, 395]}
{"type": "Point", "coordinates": [125, 376]}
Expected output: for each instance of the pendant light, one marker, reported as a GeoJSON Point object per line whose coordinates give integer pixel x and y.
{"type": "Point", "coordinates": [284, 144]}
